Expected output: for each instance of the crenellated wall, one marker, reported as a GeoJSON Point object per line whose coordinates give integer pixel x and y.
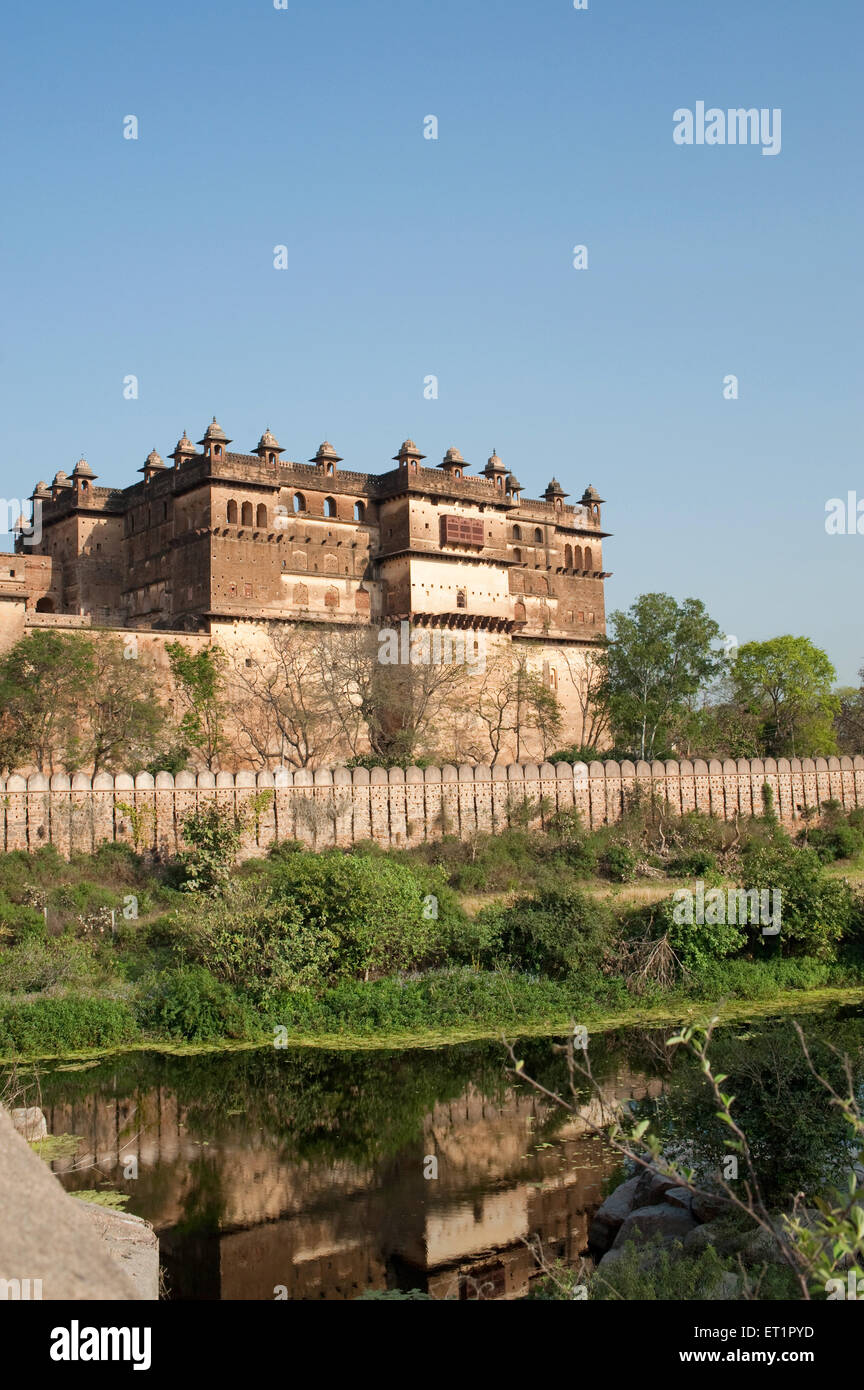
{"type": "Point", "coordinates": [395, 807]}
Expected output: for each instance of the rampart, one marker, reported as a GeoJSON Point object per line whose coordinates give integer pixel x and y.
{"type": "Point", "coordinates": [397, 808]}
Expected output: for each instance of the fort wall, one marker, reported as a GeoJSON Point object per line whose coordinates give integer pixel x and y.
{"type": "Point", "coordinates": [398, 808]}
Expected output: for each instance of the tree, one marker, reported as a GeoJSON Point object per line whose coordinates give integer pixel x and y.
{"type": "Point", "coordinates": [282, 710]}
{"type": "Point", "coordinates": [389, 704]}
{"type": "Point", "coordinates": [122, 722]}
{"type": "Point", "coordinates": [72, 700]}
{"type": "Point", "coordinates": [512, 700]}
{"type": "Point", "coordinates": [787, 683]}
{"type": "Point", "coordinates": [43, 681]}
{"type": "Point", "coordinates": [849, 720]}
{"type": "Point", "coordinates": [660, 656]}
{"type": "Point", "coordinates": [200, 683]}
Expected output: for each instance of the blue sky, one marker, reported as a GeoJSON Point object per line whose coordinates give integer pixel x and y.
{"type": "Point", "coordinates": [409, 257]}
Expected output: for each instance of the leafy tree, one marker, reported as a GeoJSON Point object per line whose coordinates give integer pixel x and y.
{"type": "Point", "coordinates": [199, 678]}
{"type": "Point", "coordinates": [849, 719]}
{"type": "Point", "coordinates": [660, 656]}
{"type": "Point", "coordinates": [787, 683]}
{"type": "Point", "coordinates": [71, 699]}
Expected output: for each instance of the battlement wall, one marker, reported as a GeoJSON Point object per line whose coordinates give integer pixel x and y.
{"type": "Point", "coordinates": [398, 808]}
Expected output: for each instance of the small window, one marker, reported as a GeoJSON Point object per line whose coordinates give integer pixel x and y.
{"type": "Point", "coordinates": [246, 513]}
{"type": "Point", "coordinates": [553, 678]}
{"type": "Point", "coordinates": [330, 470]}
{"type": "Point", "coordinates": [517, 555]}
{"type": "Point", "coordinates": [461, 599]}
{"type": "Point", "coordinates": [261, 515]}
{"type": "Point", "coordinates": [589, 559]}
{"type": "Point", "coordinates": [578, 558]}
{"type": "Point", "coordinates": [218, 451]}
{"type": "Point", "coordinates": [299, 502]}
{"type": "Point", "coordinates": [359, 511]}
{"type": "Point", "coordinates": [232, 513]}
{"type": "Point", "coordinates": [329, 506]}
{"type": "Point", "coordinates": [538, 535]}
{"type": "Point", "coordinates": [568, 557]}
{"type": "Point", "coordinates": [517, 533]}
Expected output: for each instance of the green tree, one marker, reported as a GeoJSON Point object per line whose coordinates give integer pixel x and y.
{"type": "Point", "coordinates": [73, 700]}
{"type": "Point", "coordinates": [199, 679]}
{"type": "Point", "coordinates": [787, 682]}
{"type": "Point", "coordinates": [660, 656]}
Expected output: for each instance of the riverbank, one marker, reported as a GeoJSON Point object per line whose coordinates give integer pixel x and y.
{"type": "Point", "coordinates": [808, 1002]}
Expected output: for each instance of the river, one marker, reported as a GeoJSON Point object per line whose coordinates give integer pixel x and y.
{"type": "Point", "coordinates": [313, 1174]}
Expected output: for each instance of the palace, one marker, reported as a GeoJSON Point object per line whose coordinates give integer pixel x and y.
{"type": "Point", "coordinates": [217, 543]}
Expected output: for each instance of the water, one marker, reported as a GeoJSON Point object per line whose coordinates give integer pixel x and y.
{"type": "Point", "coordinates": [302, 1173]}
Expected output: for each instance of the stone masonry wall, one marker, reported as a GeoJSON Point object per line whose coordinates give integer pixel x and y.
{"type": "Point", "coordinates": [398, 808]}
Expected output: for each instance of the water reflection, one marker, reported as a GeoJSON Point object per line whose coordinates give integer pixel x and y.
{"type": "Point", "coordinates": [304, 1170]}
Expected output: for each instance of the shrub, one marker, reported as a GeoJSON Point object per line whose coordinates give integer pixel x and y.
{"type": "Point", "coordinates": [817, 911]}
{"type": "Point", "coordinates": [618, 862]}
{"type": "Point", "coordinates": [188, 1002]}
{"type": "Point", "coordinates": [370, 907]}
{"type": "Point", "coordinates": [213, 837]}
{"type": "Point", "coordinates": [70, 1024]}
{"type": "Point", "coordinates": [255, 936]}
{"type": "Point", "coordinates": [20, 921]}
{"type": "Point", "coordinates": [37, 965]}
{"type": "Point", "coordinates": [553, 933]}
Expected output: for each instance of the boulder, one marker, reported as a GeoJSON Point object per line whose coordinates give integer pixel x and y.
{"type": "Point", "coordinates": [679, 1197]}
{"type": "Point", "coordinates": [707, 1206]}
{"type": "Point", "coordinates": [30, 1122]}
{"type": "Point", "coordinates": [727, 1287]}
{"type": "Point", "coordinates": [652, 1187]}
{"type": "Point", "coordinates": [648, 1223]}
{"type": "Point", "coordinates": [609, 1215]}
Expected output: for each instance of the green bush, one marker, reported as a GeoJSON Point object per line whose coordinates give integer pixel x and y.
{"type": "Point", "coordinates": [69, 1024]}
{"type": "Point", "coordinates": [41, 965]}
{"type": "Point", "coordinates": [19, 921]}
{"type": "Point", "coordinates": [190, 1003]}
{"type": "Point", "coordinates": [817, 911]}
{"type": "Point", "coordinates": [552, 933]}
{"type": "Point", "coordinates": [370, 908]}
{"type": "Point", "coordinates": [254, 937]}
{"type": "Point", "coordinates": [618, 863]}
{"type": "Point", "coordinates": [213, 837]}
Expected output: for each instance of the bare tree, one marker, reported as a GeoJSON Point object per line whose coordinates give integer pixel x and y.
{"type": "Point", "coordinates": [282, 711]}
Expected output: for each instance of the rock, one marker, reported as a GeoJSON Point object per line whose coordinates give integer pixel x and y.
{"type": "Point", "coordinates": [761, 1248]}
{"type": "Point", "coordinates": [727, 1287]}
{"type": "Point", "coordinates": [698, 1240]}
{"type": "Point", "coordinates": [707, 1206]}
{"type": "Point", "coordinates": [652, 1187]}
{"type": "Point", "coordinates": [678, 1197]}
{"type": "Point", "coordinates": [647, 1223]}
{"type": "Point", "coordinates": [130, 1241]}
{"type": "Point", "coordinates": [610, 1214]}
{"type": "Point", "coordinates": [31, 1123]}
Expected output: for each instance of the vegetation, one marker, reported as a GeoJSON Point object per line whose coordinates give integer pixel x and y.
{"type": "Point", "coordinates": [529, 928]}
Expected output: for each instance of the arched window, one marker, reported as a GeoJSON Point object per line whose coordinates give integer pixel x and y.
{"type": "Point", "coordinates": [261, 515]}
{"type": "Point", "coordinates": [461, 598]}
{"type": "Point", "coordinates": [330, 470]}
{"type": "Point", "coordinates": [331, 598]}
{"type": "Point", "coordinates": [45, 605]}
{"type": "Point", "coordinates": [538, 535]}
{"type": "Point", "coordinates": [299, 502]}
{"type": "Point", "coordinates": [329, 506]}
{"type": "Point", "coordinates": [301, 595]}
{"type": "Point", "coordinates": [578, 560]}
{"type": "Point", "coordinates": [589, 559]}
{"type": "Point", "coordinates": [517, 533]}
{"type": "Point", "coordinates": [359, 511]}
{"type": "Point", "coordinates": [218, 451]}
{"type": "Point", "coordinates": [246, 514]}
{"type": "Point", "coordinates": [517, 555]}
{"type": "Point", "coordinates": [519, 611]}
{"type": "Point", "coordinates": [568, 557]}
{"type": "Point", "coordinates": [232, 513]}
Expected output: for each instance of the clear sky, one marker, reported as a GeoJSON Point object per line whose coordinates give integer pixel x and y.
{"type": "Point", "coordinates": [409, 257]}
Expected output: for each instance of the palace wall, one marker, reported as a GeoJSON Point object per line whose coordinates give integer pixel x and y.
{"type": "Point", "coordinates": [399, 808]}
